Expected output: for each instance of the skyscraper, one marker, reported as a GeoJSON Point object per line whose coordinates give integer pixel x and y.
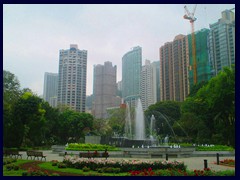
{"type": "Point", "coordinates": [131, 73]}
{"type": "Point", "coordinates": [222, 42]}
{"type": "Point", "coordinates": [202, 57]}
{"type": "Point", "coordinates": [72, 78]}
{"type": "Point", "coordinates": [104, 89]}
{"type": "Point", "coordinates": [156, 79]}
{"type": "Point", "coordinates": [174, 69]}
{"type": "Point", "coordinates": [148, 85]}
{"type": "Point", "coordinates": [50, 86]}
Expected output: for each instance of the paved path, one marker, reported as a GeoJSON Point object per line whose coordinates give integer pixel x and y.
{"type": "Point", "coordinates": [191, 162]}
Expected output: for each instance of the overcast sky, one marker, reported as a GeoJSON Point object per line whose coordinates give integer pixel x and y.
{"type": "Point", "coordinates": [34, 34]}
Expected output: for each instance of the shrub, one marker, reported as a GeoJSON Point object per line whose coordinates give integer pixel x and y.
{"type": "Point", "coordinates": [86, 169]}
{"type": "Point", "coordinates": [9, 161]}
{"type": "Point", "coordinates": [24, 173]}
{"type": "Point", "coordinates": [10, 167]}
{"type": "Point", "coordinates": [55, 174]}
{"type": "Point", "coordinates": [230, 162]}
{"type": "Point", "coordinates": [214, 148]}
{"type": "Point", "coordinates": [54, 162]}
{"type": "Point", "coordinates": [90, 147]}
{"type": "Point", "coordinates": [16, 167]}
{"type": "Point", "coordinates": [62, 165]}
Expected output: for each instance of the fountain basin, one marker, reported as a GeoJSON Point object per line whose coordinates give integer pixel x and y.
{"type": "Point", "coordinates": [157, 152]}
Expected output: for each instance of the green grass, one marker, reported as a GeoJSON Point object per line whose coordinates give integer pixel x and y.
{"type": "Point", "coordinates": [48, 166]}
{"type": "Point", "coordinates": [214, 148]}
{"type": "Point", "coordinates": [15, 172]}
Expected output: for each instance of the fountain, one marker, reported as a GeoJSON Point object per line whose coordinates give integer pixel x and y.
{"type": "Point", "coordinates": [135, 142]}
{"type": "Point", "coordinates": [128, 123]}
{"type": "Point", "coordinates": [139, 122]}
{"type": "Point", "coordinates": [152, 125]}
{"type": "Point", "coordinates": [152, 130]}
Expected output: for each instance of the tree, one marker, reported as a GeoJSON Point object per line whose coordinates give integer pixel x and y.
{"type": "Point", "coordinates": [11, 94]}
{"type": "Point", "coordinates": [51, 127]}
{"type": "Point", "coordinates": [165, 113]}
{"type": "Point", "coordinates": [11, 88]}
{"type": "Point", "coordinates": [213, 110]}
{"type": "Point", "coordinates": [28, 110]}
{"type": "Point", "coordinates": [72, 125]}
{"type": "Point", "coordinates": [220, 93]}
{"type": "Point", "coordinates": [101, 127]}
{"type": "Point", "coordinates": [194, 89]}
{"type": "Point", "coordinates": [116, 120]}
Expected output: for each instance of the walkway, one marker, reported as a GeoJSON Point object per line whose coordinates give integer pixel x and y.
{"type": "Point", "coordinates": [191, 162]}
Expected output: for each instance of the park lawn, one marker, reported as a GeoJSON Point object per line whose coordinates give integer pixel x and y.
{"type": "Point", "coordinates": [15, 172]}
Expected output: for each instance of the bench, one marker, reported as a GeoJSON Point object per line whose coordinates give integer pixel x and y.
{"type": "Point", "coordinates": [93, 155]}
{"type": "Point", "coordinates": [11, 153]}
{"type": "Point", "coordinates": [35, 154]}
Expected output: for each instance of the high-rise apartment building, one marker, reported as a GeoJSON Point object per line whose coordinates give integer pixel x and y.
{"type": "Point", "coordinates": [180, 67]}
{"type": "Point", "coordinates": [72, 78]}
{"type": "Point", "coordinates": [50, 86]}
{"type": "Point", "coordinates": [131, 73]}
{"type": "Point", "coordinates": [174, 69]}
{"type": "Point", "coordinates": [166, 72]}
{"type": "Point", "coordinates": [148, 85]}
{"type": "Point", "coordinates": [202, 57]}
{"type": "Point", "coordinates": [222, 42]}
{"type": "Point", "coordinates": [53, 101]}
{"type": "Point", "coordinates": [104, 89]}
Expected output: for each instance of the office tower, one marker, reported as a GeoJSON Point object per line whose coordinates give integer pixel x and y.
{"type": "Point", "coordinates": [72, 78]}
{"type": "Point", "coordinates": [148, 85]}
{"type": "Point", "coordinates": [174, 69]}
{"type": "Point", "coordinates": [50, 86]}
{"type": "Point", "coordinates": [222, 42]}
{"type": "Point", "coordinates": [131, 72]}
{"type": "Point", "coordinates": [202, 57]}
{"type": "Point", "coordinates": [104, 89]}
{"type": "Point", "coordinates": [156, 78]}
{"type": "Point", "coordinates": [119, 88]}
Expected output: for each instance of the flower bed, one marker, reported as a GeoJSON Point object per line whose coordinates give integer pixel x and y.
{"type": "Point", "coordinates": [228, 162]}
{"type": "Point", "coordinates": [124, 165]}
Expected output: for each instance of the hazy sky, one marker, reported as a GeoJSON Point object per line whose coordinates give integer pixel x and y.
{"type": "Point", "coordinates": [34, 34]}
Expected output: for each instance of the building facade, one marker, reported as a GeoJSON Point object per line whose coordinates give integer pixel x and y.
{"type": "Point", "coordinates": [72, 78]}
{"type": "Point", "coordinates": [156, 74]}
{"type": "Point", "coordinates": [50, 86]}
{"type": "Point", "coordinates": [180, 68]}
{"type": "Point", "coordinates": [174, 69]}
{"type": "Point", "coordinates": [202, 57]}
{"type": "Point", "coordinates": [104, 89]}
{"type": "Point", "coordinates": [148, 85]}
{"type": "Point", "coordinates": [166, 72]}
{"type": "Point", "coordinates": [222, 42]}
{"type": "Point", "coordinates": [131, 73]}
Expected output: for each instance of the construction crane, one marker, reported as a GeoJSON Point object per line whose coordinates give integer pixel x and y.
{"type": "Point", "coordinates": [190, 16]}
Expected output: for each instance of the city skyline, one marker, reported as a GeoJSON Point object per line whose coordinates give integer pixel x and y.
{"type": "Point", "coordinates": [33, 35]}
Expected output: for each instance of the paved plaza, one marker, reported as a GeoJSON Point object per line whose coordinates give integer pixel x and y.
{"type": "Point", "coordinates": [191, 162]}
